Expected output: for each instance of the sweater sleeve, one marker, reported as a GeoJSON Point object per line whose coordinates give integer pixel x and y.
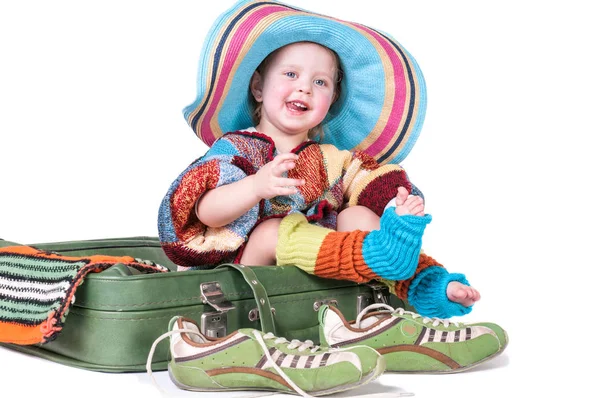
{"type": "Point", "coordinates": [367, 183]}
{"type": "Point", "coordinates": [184, 238]}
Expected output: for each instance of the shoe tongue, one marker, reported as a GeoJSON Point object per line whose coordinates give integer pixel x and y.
{"type": "Point", "coordinates": [371, 319]}
{"type": "Point", "coordinates": [194, 337]}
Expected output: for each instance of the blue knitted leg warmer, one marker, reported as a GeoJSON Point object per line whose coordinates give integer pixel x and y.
{"type": "Point", "coordinates": [392, 252]}
{"type": "Point", "coordinates": [427, 293]}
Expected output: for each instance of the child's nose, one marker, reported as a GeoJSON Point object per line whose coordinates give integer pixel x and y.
{"type": "Point", "coordinates": [304, 86]}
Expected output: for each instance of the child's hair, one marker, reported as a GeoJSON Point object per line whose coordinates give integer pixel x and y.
{"type": "Point", "coordinates": [337, 90]}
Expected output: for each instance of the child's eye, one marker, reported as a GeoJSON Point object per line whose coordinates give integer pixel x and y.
{"type": "Point", "coordinates": [320, 82]}
{"type": "Point", "coordinates": [290, 74]}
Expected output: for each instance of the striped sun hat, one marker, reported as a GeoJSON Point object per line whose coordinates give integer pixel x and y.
{"type": "Point", "coordinates": [383, 99]}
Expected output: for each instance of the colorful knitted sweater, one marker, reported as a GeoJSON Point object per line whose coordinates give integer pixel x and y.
{"type": "Point", "coordinates": [334, 179]}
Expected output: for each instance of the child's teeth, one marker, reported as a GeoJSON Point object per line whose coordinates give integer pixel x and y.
{"type": "Point", "coordinates": [299, 105]}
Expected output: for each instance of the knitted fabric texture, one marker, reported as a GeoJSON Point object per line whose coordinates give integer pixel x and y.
{"type": "Point", "coordinates": [321, 251]}
{"type": "Point", "coordinates": [38, 287]}
{"type": "Point", "coordinates": [400, 288]}
{"type": "Point", "coordinates": [393, 251]}
{"type": "Point", "coordinates": [356, 256]}
{"type": "Point", "coordinates": [427, 293]}
{"type": "Point", "coordinates": [334, 179]}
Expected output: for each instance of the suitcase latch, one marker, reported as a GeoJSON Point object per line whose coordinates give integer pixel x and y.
{"type": "Point", "coordinates": [381, 294]}
{"type": "Point", "coordinates": [214, 324]}
{"type": "Point", "coordinates": [317, 304]}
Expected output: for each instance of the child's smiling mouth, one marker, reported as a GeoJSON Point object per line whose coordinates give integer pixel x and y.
{"type": "Point", "coordinates": [297, 106]}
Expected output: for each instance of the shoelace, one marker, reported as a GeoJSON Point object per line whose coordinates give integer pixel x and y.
{"type": "Point", "coordinates": [151, 354]}
{"type": "Point", "coordinates": [294, 344]}
{"type": "Point", "coordinates": [301, 346]}
{"type": "Point", "coordinates": [402, 311]}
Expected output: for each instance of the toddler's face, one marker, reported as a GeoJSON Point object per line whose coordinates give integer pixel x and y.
{"type": "Point", "coordinates": [296, 88]}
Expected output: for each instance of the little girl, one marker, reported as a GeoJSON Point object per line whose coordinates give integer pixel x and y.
{"type": "Point", "coordinates": [270, 195]}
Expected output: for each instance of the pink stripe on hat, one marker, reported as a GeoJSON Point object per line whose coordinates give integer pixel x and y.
{"type": "Point", "coordinates": [391, 127]}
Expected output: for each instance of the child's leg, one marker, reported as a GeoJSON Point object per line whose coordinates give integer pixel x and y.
{"type": "Point", "coordinates": [357, 217]}
{"type": "Point", "coordinates": [363, 218]}
{"type": "Point", "coordinates": [436, 292]}
{"type": "Point", "coordinates": [391, 252]}
{"type": "Point", "coordinates": [431, 290]}
{"type": "Point", "coordinates": [337, 255]}
{"type": "Point", "coordinates": [260, 249]}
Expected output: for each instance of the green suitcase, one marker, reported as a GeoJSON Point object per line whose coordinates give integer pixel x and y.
{"type": "Point", "coordinates": [118, 313]}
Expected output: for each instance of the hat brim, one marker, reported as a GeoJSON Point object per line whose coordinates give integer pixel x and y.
{"type": "Point", "coordinates": [383, 99]}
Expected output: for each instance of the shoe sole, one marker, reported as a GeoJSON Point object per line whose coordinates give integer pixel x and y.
{"type": "Point", "coordinates": [449, 371]}
{"type": "Point", "coordinates": [377, 371]}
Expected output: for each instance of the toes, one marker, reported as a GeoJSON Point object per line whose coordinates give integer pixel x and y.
{"type": "Point", "coordinates": [467, 296]}
{"type": "Point", "coordinates": [456, 292]}
{"type": "Point", "coordinates": [401, 196]}
{"type": "Point", "coordinates": [418, 210]}
{"type": "Point", "coordinates": [415, 203]}
{"type": "Point", "coordinates": [401, 209]}
{"type": "Point", "coordinates": [460, 294]}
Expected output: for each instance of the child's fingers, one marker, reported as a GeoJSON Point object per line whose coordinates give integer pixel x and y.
{"type": "Point", "coordinates": [285, 157]}
{"type": "Point", "coordinates": [281, 168]}
{"type": "Point", "coordinates": [290, 182]}
{"type": "Point", "coordinates": [283, 163]}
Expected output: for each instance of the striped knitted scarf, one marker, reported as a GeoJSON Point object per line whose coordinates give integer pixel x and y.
{"type": "Point", "coordinates": [38, 287]}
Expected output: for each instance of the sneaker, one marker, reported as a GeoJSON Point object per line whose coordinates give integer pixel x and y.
{"type": "Point", "coordinates": [412, 343]}
{"type": "Point", "coordinates": [249, 359]}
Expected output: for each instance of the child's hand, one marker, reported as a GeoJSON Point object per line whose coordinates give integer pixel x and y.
{"type": "Point", "coordinates": [268, 181]}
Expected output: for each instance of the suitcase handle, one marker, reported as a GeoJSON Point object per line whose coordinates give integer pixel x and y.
{"type": "Point", "coordinates": [267, 323]}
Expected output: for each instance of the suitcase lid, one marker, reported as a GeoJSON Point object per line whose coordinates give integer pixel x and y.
{"type": "Point", "coordinates": [121, 289]}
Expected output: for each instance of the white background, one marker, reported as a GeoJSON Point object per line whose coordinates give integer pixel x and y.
{"type": "Point", "coordinates": [91, 135]}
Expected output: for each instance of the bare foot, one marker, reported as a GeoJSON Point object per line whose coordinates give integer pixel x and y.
{"type": "Point", "coordinates": [409, 204]}
{"type": "Point", "coordinates": [462, 294]}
